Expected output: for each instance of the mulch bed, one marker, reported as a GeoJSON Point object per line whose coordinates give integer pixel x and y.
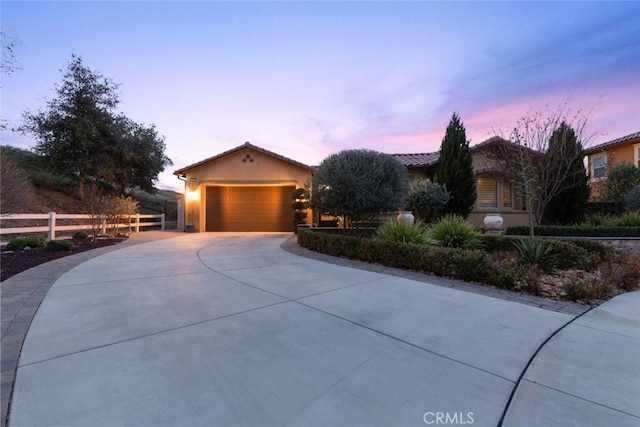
{"type": "Point", "coordinates": [14, 262]}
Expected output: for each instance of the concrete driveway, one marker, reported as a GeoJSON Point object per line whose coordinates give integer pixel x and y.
{"type": "Point", "coordinates": [230, 329]}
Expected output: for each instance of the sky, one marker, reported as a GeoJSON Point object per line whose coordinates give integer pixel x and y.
{"type": "Point", "coordinates": [309, 79]}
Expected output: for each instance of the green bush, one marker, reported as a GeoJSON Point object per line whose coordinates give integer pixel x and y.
{"type": "Point", "coordinates": [402, 232]}
{"type": "Point", "coordinates": [453, 231]}
{"type": "Point", "coordinates": [470, 265]}
{"type": "Point", "coordinates": [80, 235]}
{"type": "Point", "coordinates": [632, 203]}
{"type": "Point", "coordinates": [529, 279]}
{"type": "Point", "coordinates": [576, 231]}
{"type": "Point", "coordinates": [621, 270]}
{"type": "Point", "coordinates": [507, 273]}
{"type": "Point", "coordinates": [494, 243]}
{"type": "Point", "coordinates": [426, 199]}
{"type": "Point", "coordinates": [578, 290]}
{"type": "Point", "coordinates": [593, 247]}
{"type": "Point", "coordinates": [21, 242]}
{"type": "Point", "coordinates": [567, 254]}
{"type": "Point", "coordinates": [597, 219]}
{"type": "Point", "coordinates": [534, 251]}
{"type": "Point", "coordinates": [59, 245]}
{"type": "Point", "coordinates": [52, 181]}
{"type": "Point", "coordinates": [628, 219]}
{"type": "Point", "coordinates": [357, 184]}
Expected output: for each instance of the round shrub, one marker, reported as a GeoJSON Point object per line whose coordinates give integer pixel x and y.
{"type": "Point", "coordinates": [21, 242]}
{"type": "Point", "coordinates": [80, 235]}
{"type": "Point", "coordinates": [59, 245]}
{"type": "Point", "coordinates": [578, 291]}
{"type": "Point", "coordinates": [357, 184]}
{"type": "Point", "coordinates": [427, 199]}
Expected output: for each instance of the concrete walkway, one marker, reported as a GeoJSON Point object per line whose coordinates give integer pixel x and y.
{"type": "Point", "coordinates": [230, 329]}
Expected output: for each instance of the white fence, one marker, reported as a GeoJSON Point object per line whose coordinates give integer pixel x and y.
{"type": "Point", "coordinates": [90, 222]}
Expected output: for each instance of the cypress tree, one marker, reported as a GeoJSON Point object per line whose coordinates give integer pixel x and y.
{"type": "Point", "coordinates": [569, 204]}
{"type": "Point", "coordinates": [455, 169]}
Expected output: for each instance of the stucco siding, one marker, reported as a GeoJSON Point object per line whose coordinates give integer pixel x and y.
{"type": "Point", "coordinates": [245, 167]}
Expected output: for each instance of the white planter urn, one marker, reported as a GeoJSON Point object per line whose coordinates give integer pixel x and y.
{"type": "Point", "coordinates": [493, 222]}
{"type": "Point", "coordinates": [405, 216]}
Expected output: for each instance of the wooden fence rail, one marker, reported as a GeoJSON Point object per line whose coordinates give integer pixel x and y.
{"type": "Point", "coordinates": [52, 228]}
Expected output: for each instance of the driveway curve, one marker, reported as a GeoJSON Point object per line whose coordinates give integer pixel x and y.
{"type": "Point", "coordinates": [230, 329]}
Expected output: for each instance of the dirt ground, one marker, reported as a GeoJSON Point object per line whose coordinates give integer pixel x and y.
{"type": "Point", "coordinates": [14, 262]}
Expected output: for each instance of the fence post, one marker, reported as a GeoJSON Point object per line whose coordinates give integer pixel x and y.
{"type": "Point", "coordinates": [137, 223]}
{"type": "Point", "coordinates": [104, 226]}
{"type": "Point", "coordinates": [52, 226]}
{"type": "Point", "coordinates": [162, 222]}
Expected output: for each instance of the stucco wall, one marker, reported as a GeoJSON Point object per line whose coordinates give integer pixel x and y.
{"type": "Point", "coordinates": [623, 153]}
{"type": "Point", "coordinates": [243, 167]}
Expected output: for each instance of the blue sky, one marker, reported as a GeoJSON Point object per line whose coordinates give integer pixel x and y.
{"type": "Point", "coordinates": [307, 79]}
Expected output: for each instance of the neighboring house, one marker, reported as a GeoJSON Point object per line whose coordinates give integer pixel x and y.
{"type": "Point", "coordinates": [605, 156]}
{"type": "Point", "coordinates": [249, 188]}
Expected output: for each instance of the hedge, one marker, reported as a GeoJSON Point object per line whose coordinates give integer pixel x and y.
{"type": "Point", "coordinates": [553, 230]}
{"type": "Point", "coordinates": [468, 265]}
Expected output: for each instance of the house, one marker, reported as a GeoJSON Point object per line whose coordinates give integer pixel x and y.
{"type": "Point", "coordinates": [249, 188]}
{"type": "Point", "coordinates": [246, 188]}
{"type": "Point", "coordinates": [605, 156]}
{"type": "Point", "coordinates": [495, 193]}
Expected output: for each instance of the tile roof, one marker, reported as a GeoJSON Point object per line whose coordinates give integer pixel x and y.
{"type": "Point", "coordinates": [238, 148]}
{"type": "Point", "coordinates": [608, 144]}
{"type": "Point", "coordinates": [417, 159]}
{"type": "Point", "coordinates": [423, 160]}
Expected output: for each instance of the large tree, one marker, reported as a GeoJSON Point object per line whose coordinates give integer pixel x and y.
{"type": "Point", "coordinates": [540, 165]}
{"type": "Point", "coordinates": [356, 185]}
{"type": "Point", "coordinates": [81, 134]}
{"type": "Point", "coordinates": [620, 181]}
{"type": "Point", "coordinates": [572, 188]}
{"type": "Point", "coordinates": [455, 169]}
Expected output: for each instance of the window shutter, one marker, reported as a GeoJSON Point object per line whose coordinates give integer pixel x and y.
{"type": "Point", "coordinates": [487, 193]}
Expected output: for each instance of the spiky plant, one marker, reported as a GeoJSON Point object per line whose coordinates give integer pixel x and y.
{"type": "Point", "coordinates": [453, 231]}
{"type": "Point", "coordinates": [402, 232]}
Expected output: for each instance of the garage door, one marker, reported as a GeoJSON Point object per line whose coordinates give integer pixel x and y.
{"type": "Point", "coordinates": [249, 208]}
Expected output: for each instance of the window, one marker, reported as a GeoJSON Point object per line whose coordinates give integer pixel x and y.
{"type": "Point", "coordinates": [487, 193]}
{"type": "Point", "coordinates": [599, 167]}
{"type": "Point", "coordinates": [507, 199]}
{"type": "Point", "coordinates": [636, 155]}
{"type": "Point", "coordinates": [494, 193]}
